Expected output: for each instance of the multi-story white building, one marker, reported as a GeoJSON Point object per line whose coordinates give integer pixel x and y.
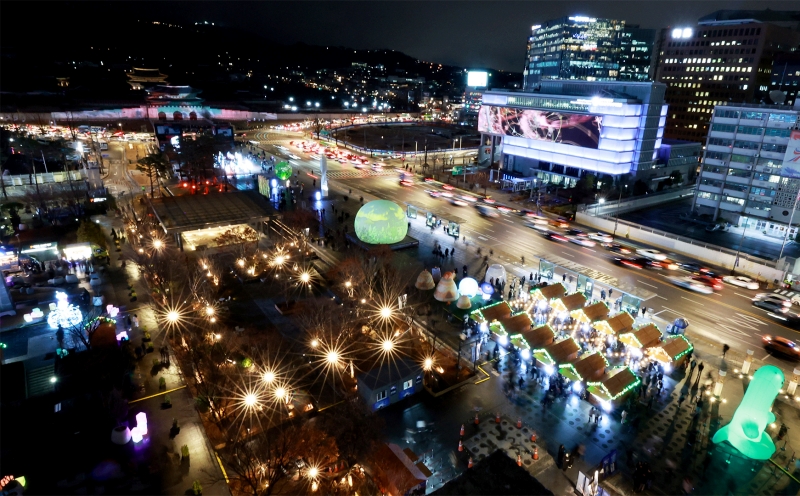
{"type": "Point", "coordinates": [564, 129]}
{"type": "Point", "coordinates": [750, 174]}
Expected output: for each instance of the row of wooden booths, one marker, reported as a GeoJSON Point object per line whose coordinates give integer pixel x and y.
{"type": "Point", "coordinates": [608, 385]}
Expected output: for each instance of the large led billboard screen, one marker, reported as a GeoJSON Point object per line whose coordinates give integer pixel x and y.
{"type": "Point", "coordinates": [478, 79]}
{"type": "Point", "coordinates": [543, 125]}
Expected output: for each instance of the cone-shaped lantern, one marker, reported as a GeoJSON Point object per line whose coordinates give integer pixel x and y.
{"type": "Point", "coordinates": [463, 302]}
{"type": "Point", "coordinates": [446, 290]}
{"type": "Point", "coordinates": [425, 280]}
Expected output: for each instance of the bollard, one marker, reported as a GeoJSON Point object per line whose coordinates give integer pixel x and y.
{"type": "Point", "coordinates": [461, 433]}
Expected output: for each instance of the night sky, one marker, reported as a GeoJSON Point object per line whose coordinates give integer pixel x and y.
{"type": "Point", "coordinates": [466, 33]}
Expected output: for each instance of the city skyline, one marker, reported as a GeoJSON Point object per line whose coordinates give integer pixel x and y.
{"type": "Point", "coordinates": [442, 33]}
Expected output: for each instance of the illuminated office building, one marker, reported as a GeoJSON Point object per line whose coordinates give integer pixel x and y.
{"type": "Point", "coordinates": [587, 48]}
{"type": "Point", "coordinates": [726, 58]}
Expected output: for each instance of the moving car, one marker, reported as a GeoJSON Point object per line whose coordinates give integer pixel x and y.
{"type": "Point", "coordinates": [630, 263]}
{"type": "Point", "coordinates": [556, 237]}
{"type": "Point", "coordinates": [406, 182]}
{"type": "Point", "coordinates": [741, 281]}
{"type": "Point", "coordinates": [618, 248]}
{"type": "Point", "coordinates": [694, 268]}
{"type": "Point", "coordinates": [691, 284]}
{"type": "Point", "coordinates": [487, 211]}
{"type": "Point", "coordinates": [708, 281]}
{"type": "Point", "coordinates": [576, 232]}
{"type": "Point", "coordinates": [775, 297]}
{"type": "Point", "coordinates": [781, 346]}
{"type": "Point", "coordinates": [582, 241]}
{"type": "Point", "coordinates": [447, 187]}
{"type": "Point", "coordinates": [654, 254]}
{"type": "Point", "coordinates": [539, 227]}
{"type": "Point", "coordinates": [772, 305]}
{"type": "Point", "coordinates": [601, 237]}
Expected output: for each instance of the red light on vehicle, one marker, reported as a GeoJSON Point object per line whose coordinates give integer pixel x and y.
{"type": "Point", "coordinates": [185, 185]}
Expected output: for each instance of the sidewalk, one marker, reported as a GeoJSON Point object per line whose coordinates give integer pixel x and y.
{"type": "Point", "coordinates": [162, 446]}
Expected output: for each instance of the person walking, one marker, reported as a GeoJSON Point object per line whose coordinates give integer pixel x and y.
{"type": "Point", "coordinates": [700, 368]}
{"type": "Point", "coordinates": [624, 415]}
{"type": "Point", "coordinates": [725, 349]}
{"type": "Point", "coordinates": [681, 399]}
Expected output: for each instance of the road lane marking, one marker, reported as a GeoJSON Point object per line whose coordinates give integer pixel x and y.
{"type": "Point", "coordinates": [589, 249]}
{"type": "Point", "coordinates": [482, 238]}
{"type": "Point", "coordinates": [687, 299]}
{"type": "Point", "coordinates": [670, 310]}
{"type": "Point", "coordinates": [659, 296]}
{"type": "Point", "coordinates": [567, 254]}
{"type": "Point", "coordinates": [646, 284]}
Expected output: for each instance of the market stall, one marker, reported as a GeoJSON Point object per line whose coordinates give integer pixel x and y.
{"type": "Point", "coordinates": [590, 367]}
{"type": "Point", "coordinates": [522, 345]}
{"type": "Point", "coordinates": [619, 323]}
{"type": "Point", "coordinates": [490, 313]}
{"type": "Point", "coordinates": [540, 336]}
{"type": "Point", "coordinates": [564, 351]}
{"type": "Point", "coordinates": [642, 338]}
{"type": "Point", "coordinates": [592, 313]}
{"type": "Point", "coordinates": [547, 293]}
{"type": "Point", "coordinates": [613, 387]}
{"type": "Point", "coordinates": [569, 303]}
{"type": "Point", "coordinates": [671, 352]}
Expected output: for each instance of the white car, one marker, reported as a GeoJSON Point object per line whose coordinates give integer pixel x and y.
{"type": "Point", "coordinates": [651, 254]}
{"type": "Point", "coordinates": [691, 284]}
{"type": "Point", "coordinates": [601, 237]}
{"type": "Point", "coordinates": [582, 241]}
{"type": "Point", "coordinates": [741, 281]}
{"type": "Point", "coordinates": [786, 300]}
{"type": "Point", "coordinates": [539, 227]}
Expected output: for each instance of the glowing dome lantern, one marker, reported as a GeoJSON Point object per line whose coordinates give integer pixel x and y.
{"type": "Point", "coordinates": [446, 290]}
{"type": "Point", "coordinates": [381, 222]}
{"type": "Point", "coordinates": [425, 280]}
{"type": "Point", "coordinates": [468, 287]}
{"type": "Point", "coordinates": [463, 302]}
{"type": "Point", "coordinates": [495, 271]}
{"type": "Point", "coordinates": [283, 170]}
{"type": "Point", "coordinates": [487, 290]}
{"type": "Point", "coordinates": [64, 315]}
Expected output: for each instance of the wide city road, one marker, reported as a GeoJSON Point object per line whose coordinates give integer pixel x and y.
{"type": "Point", "coordinates": [726, 316]}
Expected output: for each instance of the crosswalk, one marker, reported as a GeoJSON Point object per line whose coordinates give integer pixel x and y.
{"type": "Point", "coordinates": [786, 292]}
{"type": "Point", "coordinates": [356, 174]}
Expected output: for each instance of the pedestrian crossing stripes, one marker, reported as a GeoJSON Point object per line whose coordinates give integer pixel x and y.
{"type": "Point", "coordinates": [786, 292]}
{"type": "Point", "coordinates": [355, 174]}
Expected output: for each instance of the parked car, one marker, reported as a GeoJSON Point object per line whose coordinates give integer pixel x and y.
{"type": "Point", "coordinates": [741, 281]}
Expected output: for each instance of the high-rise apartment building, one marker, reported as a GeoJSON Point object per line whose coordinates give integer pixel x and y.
{"type": "Point", "coordinates": [786, 76]}
{"type": "Point", "coordinates": [726, 58]}
{"type": "Point", "coordinates": [750, 175]}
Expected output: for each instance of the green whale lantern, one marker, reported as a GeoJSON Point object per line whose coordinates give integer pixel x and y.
{"type": "Point", "coordinates": [746, 429]}
{"type": "Point", "coordinates": [283, 170]}
{"type": "Point", "coordinates": [381, 222]}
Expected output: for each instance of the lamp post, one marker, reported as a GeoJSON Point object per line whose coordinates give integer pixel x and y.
{"type": "Point", "coordinates": [616, 220]}
{"type": "Point", "coordinates": [739, 248]}
{"type": "Point", "coordinates": [599, 202]}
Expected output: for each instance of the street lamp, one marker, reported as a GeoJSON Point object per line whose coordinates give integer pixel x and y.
{"type": "Point", "coordinates": [599, 202]}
